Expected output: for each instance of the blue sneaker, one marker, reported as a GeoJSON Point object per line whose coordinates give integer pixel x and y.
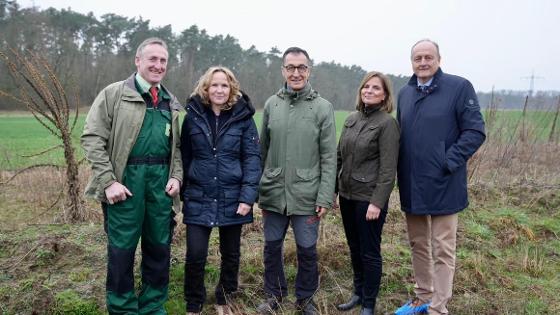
{"type": "Point", "coordinates": [413, 307]}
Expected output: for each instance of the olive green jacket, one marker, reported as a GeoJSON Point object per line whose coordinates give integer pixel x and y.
{"type": "Point", "coordinates": [298, 147]}
{"type": "Point", "coordinates": [367, 157]}
{"type": "Point", "coordinates": [112, 126]}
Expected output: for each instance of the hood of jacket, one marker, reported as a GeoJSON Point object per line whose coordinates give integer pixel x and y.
{"type": "Point", "coordinates": [307, 93]}
{"type": "Point", "coordinates": [242, 109]}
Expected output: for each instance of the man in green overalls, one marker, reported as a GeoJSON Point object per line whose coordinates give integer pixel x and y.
{"type": "Point", "coordinates": [131, 139]}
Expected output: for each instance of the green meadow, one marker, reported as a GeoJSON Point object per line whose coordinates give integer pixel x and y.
{"type": "Point", "coordinates": [508, 239]}
{"type": "Point", "coordinates": [22, 137]}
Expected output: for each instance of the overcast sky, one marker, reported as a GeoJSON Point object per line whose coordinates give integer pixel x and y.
{"type": "Point", "coordinates": [492, 43]}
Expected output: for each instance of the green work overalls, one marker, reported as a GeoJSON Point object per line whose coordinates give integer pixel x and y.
{"type": "Point", "coordinates": [147, 214]}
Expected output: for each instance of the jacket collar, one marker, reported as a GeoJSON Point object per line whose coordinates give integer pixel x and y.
{"type": "Point", "coordinates": [413, 82]}
{"type": "Point", "coordinates": [241, 109]}
{"type": "Point", "coordinates": [307, 93]}
{"type": "Point", "coordinates": [131, 91]}
{"type": "Point", "coordinates": [368, 110]}
{"type": "Point", "coordinates": [132, 94]}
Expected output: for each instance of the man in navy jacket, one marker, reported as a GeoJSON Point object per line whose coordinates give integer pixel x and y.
{"type": "Point", "coordinates": [441, 128]}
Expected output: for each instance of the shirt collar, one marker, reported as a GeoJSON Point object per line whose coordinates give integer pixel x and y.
{"type": "Point", "coordinates": [425, 84]}
{"type": "Point", "coordinates": [144, 85]}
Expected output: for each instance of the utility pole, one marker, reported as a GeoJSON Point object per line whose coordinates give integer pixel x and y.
{"type": "Point", "coordinates": [531, 79]}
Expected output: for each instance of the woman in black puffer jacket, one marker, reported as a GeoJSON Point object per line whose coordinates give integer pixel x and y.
{"type": "Point", "coordinates": [221, 163]}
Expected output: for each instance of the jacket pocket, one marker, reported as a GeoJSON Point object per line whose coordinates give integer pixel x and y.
{"type": "Point", "coordinates": [307, 186]}
{"type": "Point", "coordinates": [349, 123]}
{"type": "Point", "coordinates": [271, 188]}
{"type": "Point", "coordinates": [193, 202]}
{"type": "Point", "coordinates": [270, 180]}
{"type": "Point", "coordinates": [199, 143]}
{"type": "Point", "coordinates": [433, 160]}
{"type": "Point", "coordinates": [367, 141]}
{"type": "Point", "coordinates": [433, 179]}
{"type": "Point", "coordinates": [307, 173]}
{"type": "Point", "coordinates": [230, 170]}
{"type": "Point", "coordinates": [272, 172]}
{"type": "Point", "coordinates": [231, 141]}
{"type": "Point", "coordinates": [364, 178]}
{"type": "Point", "coordinates": [231, 202]}
{"type": "Point", "coordinates": [373, 132]}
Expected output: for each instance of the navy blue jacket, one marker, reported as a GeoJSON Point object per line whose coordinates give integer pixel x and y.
{"type": "Point", "coordinates": [441, 129]}
{"type": "Point", "coordinates": [222, 171]}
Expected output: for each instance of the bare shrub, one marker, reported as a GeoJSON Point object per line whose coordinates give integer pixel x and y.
{"type": "Point", "coordinates": [518, 150]}
{"type": "Point", "coordinates": [43, 95]}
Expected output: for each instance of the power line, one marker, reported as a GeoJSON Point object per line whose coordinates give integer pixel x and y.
{"type": "Point", "coordinates": [531, 79]}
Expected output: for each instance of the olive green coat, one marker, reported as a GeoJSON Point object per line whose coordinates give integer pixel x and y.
{"type": "Point", "coordinates": [112, 127]}
{"type": "Point", "coordinates": [367, 157]}
{"type": "Point", "coordinates": [298, 146]}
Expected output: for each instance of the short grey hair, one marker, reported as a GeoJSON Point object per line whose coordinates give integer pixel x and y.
{"type": "Point", "coordinates": [427, 40]}
{"type": "Point", "coordinates": [150, 41]}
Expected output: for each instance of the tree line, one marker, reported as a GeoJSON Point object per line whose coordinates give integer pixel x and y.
{"type": "Point", "coordinates": [87, 53]}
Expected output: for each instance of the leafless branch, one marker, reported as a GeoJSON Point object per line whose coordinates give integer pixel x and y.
{"type": "Point", "coordinates": [42, 152]}
{"type": "Point", "coordinates": [23, 170]}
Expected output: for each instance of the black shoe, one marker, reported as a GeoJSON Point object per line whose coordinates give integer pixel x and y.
{"type": "Point", "coordinates": [270, 305]}
{"type": "Point", "coordinates": [366, 311]}
{"type": "Point", "coordinates": [354, 301]}
{"type": "Point", "coordinates": [307, 307]}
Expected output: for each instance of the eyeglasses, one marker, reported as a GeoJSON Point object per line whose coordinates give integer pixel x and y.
{"type": "Point", "coordinates": [300, 68]}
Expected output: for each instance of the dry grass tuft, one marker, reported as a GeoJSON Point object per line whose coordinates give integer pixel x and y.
{"type": "Point", "coordinates": [43, 189]}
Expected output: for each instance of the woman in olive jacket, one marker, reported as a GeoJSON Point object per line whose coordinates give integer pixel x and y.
{"type": "Point", "coordinates": [221, 158]}
{"type": "Point", "coordinates": [367, 162]}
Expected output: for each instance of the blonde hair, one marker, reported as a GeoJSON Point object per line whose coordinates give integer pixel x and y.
{"type": "Point", "coordinates": [387, 104]}
{"type": "Point", "coordinates": [203, 85]}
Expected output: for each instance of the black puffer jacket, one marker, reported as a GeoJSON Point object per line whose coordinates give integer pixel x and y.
{"type": "Point", "coordinates": [219, 171]}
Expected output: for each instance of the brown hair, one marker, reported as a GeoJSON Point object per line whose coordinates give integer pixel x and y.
{"type": "Point", "coordinates": [203, 84]}
{"type": "Point", "coordinates": [387, 104]}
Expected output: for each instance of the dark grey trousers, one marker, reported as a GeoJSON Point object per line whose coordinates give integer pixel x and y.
{"type": "Point", "coordinates": [305, 228]}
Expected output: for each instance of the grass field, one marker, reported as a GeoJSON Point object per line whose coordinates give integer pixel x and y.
{"type": "Point", "coordinates": [509, 124]}
{"type": "Point", "coordinates": [508, 257]}
{"type": "Point", "coordinates": [21, 135]}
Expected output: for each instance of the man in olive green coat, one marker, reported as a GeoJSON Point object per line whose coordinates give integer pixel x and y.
{"type": "Point", "coordinates": [298, 147]}
{"type": "Point", "coordinates": [131, 139]}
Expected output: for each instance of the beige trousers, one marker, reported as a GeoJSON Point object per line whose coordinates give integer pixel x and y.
{"type": "Point", "coordinates": [433, 241]}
